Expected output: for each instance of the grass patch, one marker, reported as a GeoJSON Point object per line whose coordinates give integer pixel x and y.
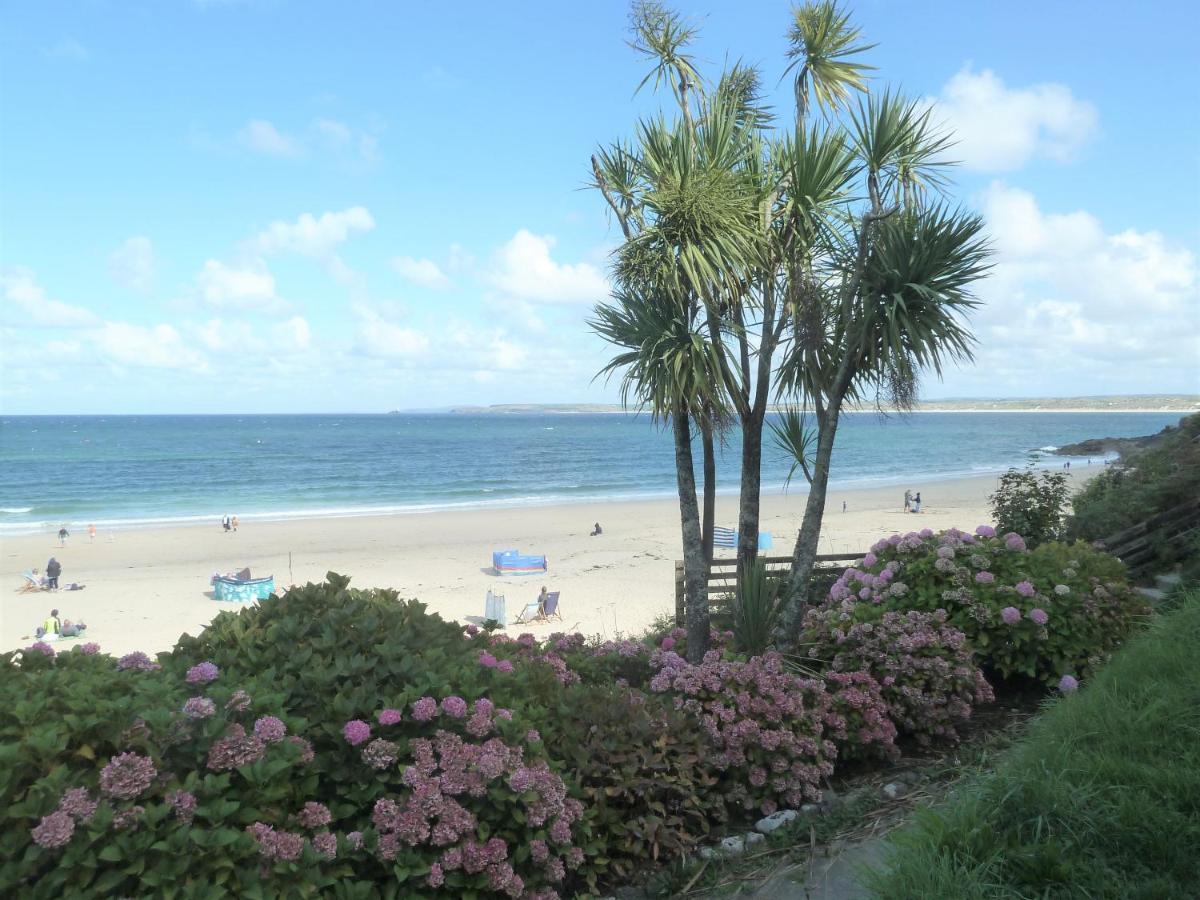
{"type": "Point", "coordinates": [1101, 801]}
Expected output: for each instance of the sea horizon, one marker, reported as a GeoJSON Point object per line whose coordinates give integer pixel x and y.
{"type": "Point", "coordinates": [134, 471]}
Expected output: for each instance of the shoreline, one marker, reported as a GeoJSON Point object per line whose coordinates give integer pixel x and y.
{"type": "Point", "coordinates": [1040, 459]}
{"type": "Point", "coordinates": [146, 586]}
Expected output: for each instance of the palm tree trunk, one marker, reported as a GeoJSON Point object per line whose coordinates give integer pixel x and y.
{"type": "Point", "coordinates": [751, 493]}
{"type": "Point", "coordinates": [695, 568]}
{"type": "Point", "coordinates": [804, 555]}
{"type": "Point", "coordinates": [710, 489]}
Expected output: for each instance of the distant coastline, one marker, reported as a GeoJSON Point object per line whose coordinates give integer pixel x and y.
{"type": "Point", "coordinates": [1141, 403]}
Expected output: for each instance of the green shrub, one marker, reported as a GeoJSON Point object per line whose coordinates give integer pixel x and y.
{"type": "Point", "coordinates": [650, 789]}
{"type": "Point", "coordinates": [1142, 484]}
{"type": "Point", "coordinates": [1057, 610]}
{"type": "Point", "coordinates": [756, 610]}
{"type": "Point", "coordinates": [927, 675]}
{"type": "Point", "coordinates": [1031, 503]}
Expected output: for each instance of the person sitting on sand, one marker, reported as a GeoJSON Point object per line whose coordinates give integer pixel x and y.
{"type": "Point", "coordinates": [72, 629]}
{"type": "Point", "coordinates": [597, 530]}
{"type": "Point", "coordinates": [51, 628]}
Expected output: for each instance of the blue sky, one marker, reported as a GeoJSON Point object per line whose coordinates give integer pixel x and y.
{"type": "Point", "coordinates": [282, 206]}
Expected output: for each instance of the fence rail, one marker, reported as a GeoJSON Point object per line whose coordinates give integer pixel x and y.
{"type": "Point", "coordinates": [722, 574]}
{"type": "Point", "coordinates": [1137, 546]}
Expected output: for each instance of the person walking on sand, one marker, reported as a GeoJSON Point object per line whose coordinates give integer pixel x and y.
{"type": "Point", "coordinates": [91, 532]}
{"type": "Point", "coordinates": [63, 534]}
{"type": "Point", "coordinates": [907, 500]}
{"type": "Point", "coordinates": [916, 503]}
{"type": "Point", "coordinates": [53, 570]}
{"type": "Point", "coordinates": [233, 522]}
{"type": "Point", "coordinates": [225, 522]}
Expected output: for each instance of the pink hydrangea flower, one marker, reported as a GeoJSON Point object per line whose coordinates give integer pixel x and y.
{"type": "Point", "coordinates": [1068, 685]}
{"type": "Point", "coordinates": [127, 775]}
{"type": "Point", "coordinates": [389, 716]}
{"type": "Point", "coordinates": [1011, 615]}
{"type": "Point", "coordinates": [325, 845]}
{"type": "Point", "coordinates": [269, 729]}
{"type": "Point", "coordinates": [1039, 616]}
{"type": "Point", "coordinates": [78, 804]}
{"type": "Point", "coordinates": [40, 647]}
{"type": "Point", "coordinates": [204, 673]}
{"type": "Point", "coordinates": [424, 709]}
{"type": "Point", "coordinates": [314, 815]}
{"type": "Point", "coordinates": [54, 830]}
{"type": "Point", "coordinates": [487, 660]}
{"type": "Point", "coordinates": [356, 731]}
{"type": "Point", "coordinates": [455, 707]}
{"type": "Point", "coordinates": [504, 666]}
{"type": "Point", "coordinates": [986, 531]}
{"type": "Point", "coordinates": [91, 648]}
{"type": "Point", "coordinates": [1025, 588]}
{"type": "Point", "coordinates": [199, 708]}
{"type": "Point", "coordinates": [183, 803]}
{"type": "Point", "coordinates": [668, 643]}
{"type": "Point", "coordinates": [984, 577]}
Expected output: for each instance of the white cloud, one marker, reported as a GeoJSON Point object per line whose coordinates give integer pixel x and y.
{"type": "Point", "coordinates": [313, 236]}
{"type": "Point", "coordinates": [25, 304]}
{"type": "Point", "coordinates": [261, 136]}
{"type": "Point", "coordinates": [292, 336]}
{"type": "Point", "coordinates": [132, 264]}
{"type": "Point", "coordinates": [250, 287]}
{"type": "Point", "coordinates": [1000, 128]}
{"type": "Point", "coordinates": [154, 347]}
{"type": "Point", "coordinates": [424, 272]}
{"type": "Point", "coordinates": [383, 339]}
{"type": "Point", "coordinates": [524, 268]}
{"type": "Point", "coordinates": [1073, 308]}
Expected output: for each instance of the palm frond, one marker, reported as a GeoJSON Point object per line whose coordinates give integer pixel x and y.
{"type": "Point", "coordinates": [797, 441]}
{"type": "Point", "coordinates": [823, 40]}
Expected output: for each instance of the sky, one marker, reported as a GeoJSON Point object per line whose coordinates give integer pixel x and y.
{"type": "Point", "coordinates": [281, 206]}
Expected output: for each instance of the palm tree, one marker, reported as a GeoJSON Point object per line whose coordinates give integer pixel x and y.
{"type": "Point", "coordinates": [887, 290]}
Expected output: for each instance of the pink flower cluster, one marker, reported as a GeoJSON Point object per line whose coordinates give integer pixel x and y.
{"type": "Point", "coordinates": [127, 775]}
{"type": "Point", "coordinates": [314, 815]}
{"type": "Point", "coordinates": [276, 845]}
{"type": "Point", "coordinates": [766, 725]}
{"type": "Point", "coordinates": [925, 669]}
{"type": "Point", "coordinates": [54, 830]}
{"type": "Point", "coordinates": [78, 804]}
{"type": "Point", "coordinates": [204, 673]}
{"type": "Point", "coordinates": [235, 749]}
{"type": "Point", "coordinates": [448, 777]}
{"type": "Point", "coordinates": [138, 661]}
{"type": "Point", "coordinates": [356, 731]}
{"type": "Point", "coordinates": [858, 719]}
{"type": "Point", "coordinates": [389, 716]}
{"type": "Point", "coordinates": [91, 648]}
{"type": "Point", "coordinates": [269, 729]}
{"type": "Point", "coordinates": [183, 803]}
{"type": "Point", "coordinates": [41, 647]}
{"type": "Point", "coordinates": [199, 708]}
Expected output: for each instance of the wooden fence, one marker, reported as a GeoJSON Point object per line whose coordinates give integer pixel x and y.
{"type": "Point", "coordinates": [1137, 546]}
{"type": "Point", "coordinates": [722, 574]}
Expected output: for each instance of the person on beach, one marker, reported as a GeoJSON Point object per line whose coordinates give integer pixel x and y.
{"type": "Point", "coordinates": [72, 629]}
{"type": "Point", "coordinates": [542, 598]}
{"type": "Point", "coordinates": [233, 522]}
{"type": "Point", "coordinates": [916, 503]}
{"type": "Point", "coordinates": [225, 522]}
{"type": "Point", "coordinates": [52, 626]}
{"type": "Point", "coordinates": [53, 570]}
{"type": "Point", "coordinates": [907, 500]}
{"type": "Point", "coordinates": [595, 531]}
{"type": "Point", "coordinates": [91, 533]}
{"type": "Point", "coordinates": [63, 534]}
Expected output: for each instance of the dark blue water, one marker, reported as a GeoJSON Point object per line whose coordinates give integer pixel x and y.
{"type": "Point", "coordinates": [127, 470]}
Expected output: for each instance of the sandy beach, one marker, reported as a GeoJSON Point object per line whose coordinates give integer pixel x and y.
{"type": "Point", "coordinates": [146, 587]}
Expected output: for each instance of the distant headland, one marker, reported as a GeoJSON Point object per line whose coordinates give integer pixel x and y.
{"type": "Point", "coordinates": [1181, 403]}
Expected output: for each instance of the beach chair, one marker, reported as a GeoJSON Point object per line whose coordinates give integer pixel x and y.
{"type": "Point", "coordinates": [531, 613]}
{"type": "Point", "coordinates": [551, 610]}
{"type": "Point", "coordinates": [494, 609]}
{"type": "Point", "coordinates": [31, 584]}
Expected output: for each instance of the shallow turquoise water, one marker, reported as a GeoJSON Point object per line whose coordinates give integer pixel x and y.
{"type": "Point", "coordinates": [121, 471]}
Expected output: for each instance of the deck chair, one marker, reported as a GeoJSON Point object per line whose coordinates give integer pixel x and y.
{"type": "Point", "coordinates": [551, 610]}
{"type": "Point", "coordinates": [531, 613]}
{"type": "Point", "coordinates": [31, 585]}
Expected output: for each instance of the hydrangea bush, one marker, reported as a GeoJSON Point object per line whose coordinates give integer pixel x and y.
{"type": "Point", "coordinates": [924, 667]}
{"type": "Point", "coordinates": [1059, 609]}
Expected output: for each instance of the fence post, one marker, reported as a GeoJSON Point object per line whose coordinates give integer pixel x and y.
{"type": "Point", "coordinates": [679, 611]}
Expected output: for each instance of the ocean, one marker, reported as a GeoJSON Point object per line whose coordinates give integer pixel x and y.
{"type": "Point", "coordinates": [131, 471]}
